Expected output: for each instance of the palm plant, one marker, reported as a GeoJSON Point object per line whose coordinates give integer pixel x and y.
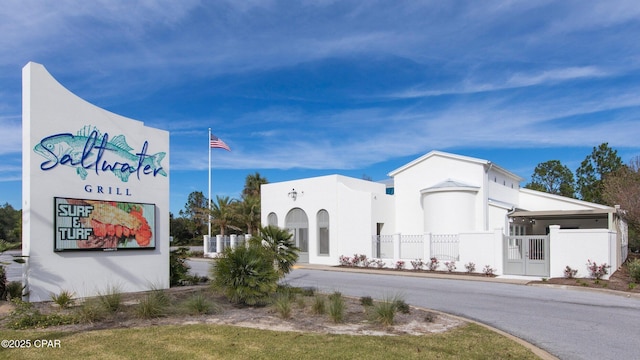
{"type": "Point", "coordinates": [223, 214]}
{"type": "Point", "coordinates": [252, 185]}
{"type": "Point", "coordinates": [280, 243]}
{"type": "Point", "coordinates": [249, 212]}
{"type": "Point", "coordinates": [246, 275]}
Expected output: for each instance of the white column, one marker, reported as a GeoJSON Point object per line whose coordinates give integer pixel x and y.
{"type": "Point", "coordinates": [206, 244]}
{"type": "Point", "coordinates": [219, 243]}
{"type": "Point", "coordinates": [234, 238]}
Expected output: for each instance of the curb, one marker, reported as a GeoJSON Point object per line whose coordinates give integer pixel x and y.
{"type": "Point", "coordinates": [541, 353]}
{"type": "Point", "coordinates": [413, 274]}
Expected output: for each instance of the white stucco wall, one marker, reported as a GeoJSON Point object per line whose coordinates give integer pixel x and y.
{"type": "Point", "coordinates": [502, 186]}
{"type": "Point", "coordinates": [481, 248]}
{"type": "Point", "coordinates": [433, 169]}
{"type": "Point", "coordinates": [498, 217]}
{"type": "Point", "coordinates": [450, 212]}
{"type": "Point", "coordinates": [354, 207]}
{"type": "Point", "coordinates": [575, 247]}
{"type": "Point", "coordinates": [50, 109]}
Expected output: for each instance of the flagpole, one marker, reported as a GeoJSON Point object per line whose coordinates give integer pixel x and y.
{"type": "Point", "coordinates": [209, 210]}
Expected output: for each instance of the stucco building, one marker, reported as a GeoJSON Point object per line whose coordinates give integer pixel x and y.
{"type": "Point", "coordinates": [453, 207]}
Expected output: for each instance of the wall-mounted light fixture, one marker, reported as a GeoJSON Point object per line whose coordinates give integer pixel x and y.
{"type": "Point", "coordinates": [293, 194]}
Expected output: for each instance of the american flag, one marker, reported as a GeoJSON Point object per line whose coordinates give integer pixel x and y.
{"type": "Point", "coordinates": [216, 142]}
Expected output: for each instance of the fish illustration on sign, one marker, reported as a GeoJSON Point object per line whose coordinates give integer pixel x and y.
{"type": "Point", "coordinates": [89, 150]}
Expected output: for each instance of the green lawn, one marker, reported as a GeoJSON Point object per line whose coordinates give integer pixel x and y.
{"type": "Point", "coordinates": [228, 342]}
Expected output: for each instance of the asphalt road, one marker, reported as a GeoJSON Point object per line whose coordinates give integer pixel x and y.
{"type": "Point", "coordinates": [568, 323]}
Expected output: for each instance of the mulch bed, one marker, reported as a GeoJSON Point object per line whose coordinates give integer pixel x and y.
{"type": "Point", "coordinates": [618, 281]}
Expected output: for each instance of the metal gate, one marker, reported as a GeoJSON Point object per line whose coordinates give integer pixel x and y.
{"type": "Point", "coordinates": [526, 255]}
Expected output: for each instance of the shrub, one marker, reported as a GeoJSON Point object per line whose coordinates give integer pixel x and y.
{"type": "Point", "coordinates": [91, 311]}
{"type": "Point", "coordinates": [287, 290]}
{"type": "Point", "coordinates": [25, 316]}
{"type": "Point", "coordinates": [597, 271]}
{"type": "Point", "coordinates": [336, 307]}
{"type": "Point", "coordinates": [366, 301]}
{"type": "Point", "coordinates": [451, 265]}
{"type": "Point", "coordinates": [399, 265]}
{"type": "Point", "coordinates": [14, 290]}
{"type": "Point", "coordinates": [280, 245]}
{"type": "Point", "coordinates": [64, 299]}
{"type": "Point", "coordinates": [488, 270]}
{"type": "Point", "coordinates": [178, 267]}
{"type": "Point", "coordinates": [319, 306]}
{"type": "Point", "coordinates": [379, 263]}
{"type": "Point", "coordinates": [355, 260]}
{"type": "Point", "coordinates": [471, 267]}
{"type": "Point", "coordinates": [634, 270]}
{"type": "Point", "coordinates": [367, 262]}
{"type": "Point", "coordinates": [384, 312]}
{"type": "Point", "coordinates": [245, 275]}
{"type": "Point", "coordinates": [401, 305]}
{"type": "Point", "coordinates": [359, 259]}
{"type": "Point", "coordinates": [430, 317]}
{"type": "Point", "coordinates": [345, 260]}
{"type": "Point", "coordinates": [151, 306]}
{"type": "Point", "coordinates": [3, 283]}
{"type": "Point", "coordinates": [570, 273]}
{"type": "Point", "coordinates": [433, 264]}
{"type": "Point", "coordinates": [308, 291]}
{"type": "Point", "coordinates": [199, 304]}
{"type": "Point", "coordinates": [301, 303]}
{"type": "Point", "coordinates": [111, 299]}
{"type": "Point", "coordinates": [283, 305]}
{"type": "Point", "coordinates": [417, 264]}
{"type": "Point", "coordinates": [161, 296]}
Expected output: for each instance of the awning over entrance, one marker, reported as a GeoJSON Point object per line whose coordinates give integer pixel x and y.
{"type": "Point", "coordinates": [595, 213]}
{"type": "Point", "coordinates": [538, 222]}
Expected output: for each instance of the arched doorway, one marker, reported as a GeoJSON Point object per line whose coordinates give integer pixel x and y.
{"type": "Point", "coordinates": [298, 224]}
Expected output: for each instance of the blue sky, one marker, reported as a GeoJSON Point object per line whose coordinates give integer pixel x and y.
{"type": "Point", "coordinates": [307, 88]}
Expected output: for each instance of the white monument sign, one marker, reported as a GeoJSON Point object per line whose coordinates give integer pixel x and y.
{"type": "Point", "coordinates": [95, 195]}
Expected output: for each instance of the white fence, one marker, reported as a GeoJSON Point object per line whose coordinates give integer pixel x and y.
{"type": "Point", "coordinates": [444, 247]}
{"type": "Point", "coordinates": [217, 244]}
{"type": "Point", "coordinates": [574, 247]}
{"type": "Point", "coordinates": [566, 248]}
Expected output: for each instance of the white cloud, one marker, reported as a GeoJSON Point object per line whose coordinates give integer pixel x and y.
{"type": "Point", "coordinates": [11, 135]}
{"type": "Point", "coordinates": [554, 75]}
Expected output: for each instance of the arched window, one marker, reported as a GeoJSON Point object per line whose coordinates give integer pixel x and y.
{"type": "Point", "coordinates": [272, 219]}
{"type": "Point", "coordinates": [323, 232]}
{"type": "Point", "coordinates": [298, 223]}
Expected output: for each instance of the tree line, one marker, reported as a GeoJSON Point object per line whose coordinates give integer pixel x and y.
{"type": "Point", "coordinates": [228, 215]}
{"type": "Point", "coordinates": [10, 224]}
{"type": "Point", "coordinates": [601, 178]}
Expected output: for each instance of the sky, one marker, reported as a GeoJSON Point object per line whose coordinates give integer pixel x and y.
{"type": "Point", "coordinates": [358, 88]}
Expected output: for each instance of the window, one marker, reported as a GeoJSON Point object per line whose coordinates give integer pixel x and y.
{"type": "Point", "coordinates": [272, 219]}
{"type": "Point", "coordinates": [323, 232]}
{"type": "Point", "coordinates": [517, 230]}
